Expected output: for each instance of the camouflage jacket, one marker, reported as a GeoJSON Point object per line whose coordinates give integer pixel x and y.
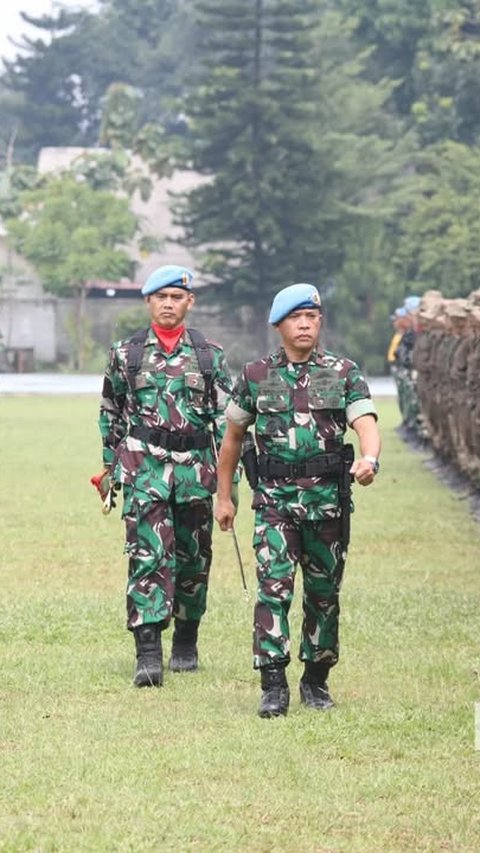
{"type": "Point", "coordinates": [169, 394]}
{"type": "Point", "coordinates": [300, 411]}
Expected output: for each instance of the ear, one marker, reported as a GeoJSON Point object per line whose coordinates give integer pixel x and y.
{"type": "Point", "coordinates": [146, 299]}
{"type": "Point", "coordinates": [191, 301]}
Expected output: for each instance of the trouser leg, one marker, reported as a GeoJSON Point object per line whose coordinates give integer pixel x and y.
{"type": "Point", "coordinates": [322, 567]}
{"type": "Point", "coordinates": [193, 553]}
{"type": "Point", "coordinates": [276, 542]}
{"type": "Point", "coordinates": [150, 545]}
{"type": "Point", "coordinates": [193, 524]}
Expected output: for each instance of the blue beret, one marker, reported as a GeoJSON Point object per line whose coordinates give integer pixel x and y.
{"type": "Point", "coordinates": [168, 276]}
{"type": "Point", "coordinates": [291, 298]}
{"type": "Point", "coordinates": [400, 312]}
{"type": "Point", "coordinates": [411, 303]}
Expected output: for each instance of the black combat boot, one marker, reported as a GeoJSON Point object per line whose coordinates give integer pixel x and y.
{"type": "Point", "coordinates": [149, 667]}
{"type": "Point", "coordinates": [275, 692]}
{"type": "Point", "coordinates": [184, 657]}
{"type": "Point", "coordinates": [314, 688]}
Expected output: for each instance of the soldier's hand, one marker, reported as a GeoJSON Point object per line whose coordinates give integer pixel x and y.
{"type": "Point", "coordinates": [225, 513]}
{"type": "Point", "coordinates": [102, 483]}
{"type": "Point", "coordinates": [107, 489]}
{"type": "Point", "coordinates": [110, 501]}
{"type": "Point", "coordinates": [363, 472]}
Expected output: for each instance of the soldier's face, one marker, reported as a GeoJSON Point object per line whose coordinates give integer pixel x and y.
{"type": "Point", "coordinates": [300, 329]}
{"type": "Point", "coordinates": [169, 306]}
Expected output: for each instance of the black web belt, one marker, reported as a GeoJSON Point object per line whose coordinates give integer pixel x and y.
{"type": "Point", "coordinates": [329, 465]}
{"type": "Point", "coordinates": [172, 440]}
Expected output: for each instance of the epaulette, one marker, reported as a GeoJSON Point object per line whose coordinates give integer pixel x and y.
{"type": "Point", "coordinates": [275, 358]}
{"type": "Point", "coordinates": [214, 344]}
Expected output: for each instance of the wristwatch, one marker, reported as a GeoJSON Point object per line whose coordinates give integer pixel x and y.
{"type": "Point", "coordinates": [373, 462]}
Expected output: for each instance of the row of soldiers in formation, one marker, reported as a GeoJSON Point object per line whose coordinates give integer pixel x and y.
{"type": "Point", "coordinates": [434, 356]}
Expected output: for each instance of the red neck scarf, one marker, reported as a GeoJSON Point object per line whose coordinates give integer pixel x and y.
{"type": "Point", "coordinates": [168, 338]}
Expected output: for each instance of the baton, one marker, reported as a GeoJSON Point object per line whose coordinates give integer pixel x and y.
{"type": "Point", "coordinates": [240, 564]}
{"type": "Point", "coordinates": [235, 540]}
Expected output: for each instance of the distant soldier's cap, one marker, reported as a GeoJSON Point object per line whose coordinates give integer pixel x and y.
{"type": "Point", "coordinates": [411, 303]}
{"type": "Point", "coordinates": [168, 276]}
{"type": "Point", "coordinates": [431, 296]}
{"type": "Point", "coordinates": [458, 309]}
{"type": "Point", "coordinates": [431, 304]}
{"type": "Point", "coordinates": [475, 314]}
{"type": "Point", "coordinates": [291, 299]}
{"type": "Point", "coordinates": [474, 297]}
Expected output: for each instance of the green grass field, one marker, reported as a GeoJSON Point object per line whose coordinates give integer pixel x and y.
{"type": "Point", "coordinates": [88, 763]}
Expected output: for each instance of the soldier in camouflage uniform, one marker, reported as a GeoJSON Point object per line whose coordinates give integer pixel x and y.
{"type": "Point", "coordinates": [156, 427]}
{"type": "Point", "coordinates": [301, 399]}
{"type": "Point", "coordinates": [473, 386]}
{"type": "Point", "coordinates": [405, 374]}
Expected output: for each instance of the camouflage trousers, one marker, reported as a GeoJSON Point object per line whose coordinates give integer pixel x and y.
{"type": "Point", "coordinates": [281, 542]}
{"type": "Point", "coordinates": [169, 546]}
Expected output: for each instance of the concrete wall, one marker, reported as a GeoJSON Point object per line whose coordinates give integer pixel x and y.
{"type": "Point", "coordinates": [30, 323]}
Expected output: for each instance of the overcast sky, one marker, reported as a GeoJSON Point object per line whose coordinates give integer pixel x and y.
{"type": "Point", "coordinates": [11, 24]}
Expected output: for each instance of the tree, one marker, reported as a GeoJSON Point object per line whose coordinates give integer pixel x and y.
{"type": "Point", "coordinates": [53, 91]}
{"type": "Point", "coordinates": [267, 210]}
{"type": "Point", "coordinates": [446, 73]}
{"type": "Point", "coordinates": [392, 31]}
{"type": "Point", "coordinates": [437, 246]}
{"type": "Point", "coordinates": [72, 234]}
{"type": "Point", "coordinates": [46, 98]}
{"type": "Point", "coordinates": [280, 120]}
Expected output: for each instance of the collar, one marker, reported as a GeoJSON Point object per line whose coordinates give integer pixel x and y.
{"type": "Point", "coordinates": [168, 338]}
{"type": "Point", "coordinates": [279, 358]}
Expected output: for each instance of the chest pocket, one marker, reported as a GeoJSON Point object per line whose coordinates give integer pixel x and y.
{"type": "Point", "coordinates": [273, 397]}
{"type": "Point", "coordinates": [146, 390]}
{"type": "Point", "coordinates": [195, 390]}
{"type": "Point", "coordinates": [327, 391]}
{"type": "Point", "coordinates": [143, 380]}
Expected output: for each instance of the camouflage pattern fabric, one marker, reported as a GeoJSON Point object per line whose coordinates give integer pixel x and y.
{"type": "Point", "coordinates": [169, 394]}
{"type": "Point", "coordinates": [167, 493]}
{"type": "Point", "coordinates": [406, 379]}
{"type": "Point", "coordinates": [170, 552]}
{"type": "Point", "coordinates": [300, 411]}
{"type": "Point", "coordinates": [280, 542]}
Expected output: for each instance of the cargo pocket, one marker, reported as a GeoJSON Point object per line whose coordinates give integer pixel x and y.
{"type": "Point", "coordinates": [327, 391]}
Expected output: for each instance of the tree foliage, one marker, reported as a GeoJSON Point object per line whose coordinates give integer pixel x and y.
{"type": "Point", "coordinates": [53, 90]}
{"type": "Point", "coordinates": [73, 234]}
{"type": "Point", "coordinates": [252, 117]}
{"type": "Point", "coordinates": [439, 237]}
{"type": "Point", "coordinates": [280, 118]}
{"type": "Point", "coordinates": [338, 140]}
{"type": "Point", "coordinates": [446, 73]}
